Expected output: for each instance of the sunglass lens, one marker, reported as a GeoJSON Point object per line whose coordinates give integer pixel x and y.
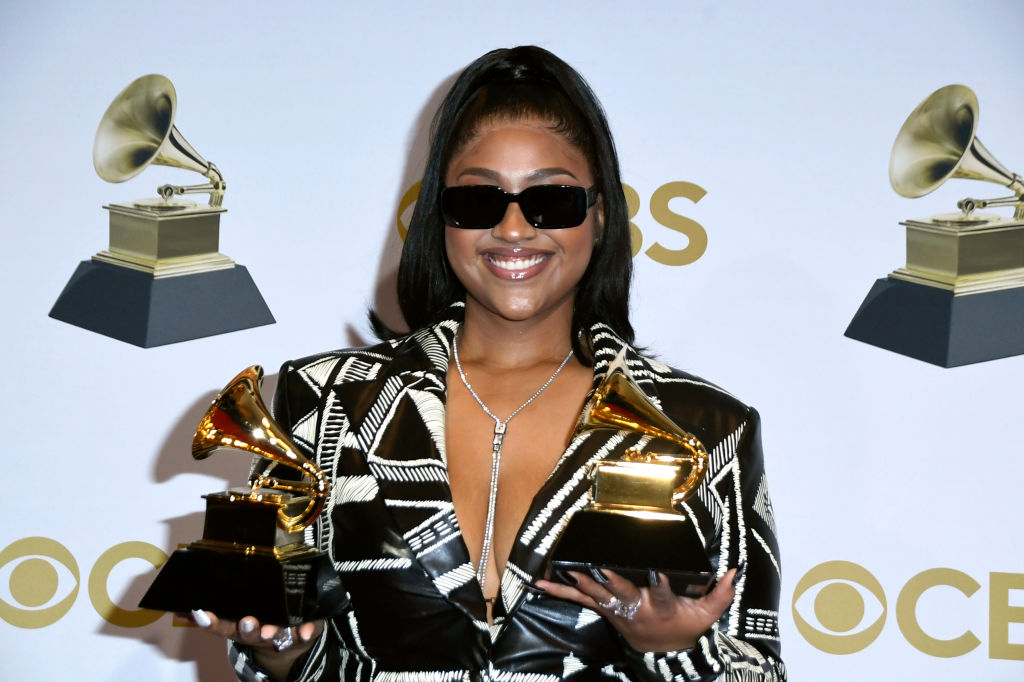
{"type": "Point", "coordinates": [554, 206]}
{"type": "Point", "coordinates": [473, 207]}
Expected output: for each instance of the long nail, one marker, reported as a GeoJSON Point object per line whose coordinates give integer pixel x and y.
{"type": "Point", "coordinates": [533, 589]}
{"type": "Point", "coordinates": [599, 575]}
{"type": "Point", "coordinates": [567, 577]}
{"type": "Point", "coordinates": [739, 574]}
{"type": "Point", "coordinates": [201, 619]}
{"type": "Point", "coordinates": [654, 579]}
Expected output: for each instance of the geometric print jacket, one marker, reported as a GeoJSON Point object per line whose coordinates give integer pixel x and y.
{"type": "Point", "coordinates": [373, 419]}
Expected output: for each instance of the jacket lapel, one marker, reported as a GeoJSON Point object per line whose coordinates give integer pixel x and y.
{"type": "Point", "coordinates": [401, 431]}
{"type": "Point", "coordinates": [568, 489]}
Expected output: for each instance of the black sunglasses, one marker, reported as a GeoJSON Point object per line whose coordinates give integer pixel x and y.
{"type": "Point", "coordinates": [547, 207]}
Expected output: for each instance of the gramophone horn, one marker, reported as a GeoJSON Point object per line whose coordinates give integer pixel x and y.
{"type": "Point", "coordinates": [618, 403]}
{"type": "Point", "coordinates": [138, 130]}
{"type": "Point", "coordinates": [238, 419]}
{"type": "Point", "coordinates": [938, 141]}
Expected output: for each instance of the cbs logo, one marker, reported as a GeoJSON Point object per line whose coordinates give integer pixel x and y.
{"type": "Point", "coordinates": [660, 211]}
{"type": "Point", "coordinates": [35, 574]}
{"type": "Point", "coordinates": [833, 601]}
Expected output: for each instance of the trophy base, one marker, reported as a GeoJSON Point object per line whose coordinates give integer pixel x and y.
{"type": "Point", "coordinates": [632, 544]}
{"type": "Point", "coordinates": [935, 325]}
{"type": "Point", "coordinates": [137, 308]}
{"type": "Point", "coordinates": [235, 584]}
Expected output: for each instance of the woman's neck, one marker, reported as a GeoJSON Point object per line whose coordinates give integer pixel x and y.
{"type": "Point", "coordinates": [495, 342]}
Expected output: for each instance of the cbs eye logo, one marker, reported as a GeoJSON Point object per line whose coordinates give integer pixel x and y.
{"type": "Point", "coordinates": [660, 211]}
{"type": "Point", "coordinates": [40, 581]}
{"type": "Point", "coordinates": [840, 608]}
{"type": "Point", "coordinates": [839, 597]}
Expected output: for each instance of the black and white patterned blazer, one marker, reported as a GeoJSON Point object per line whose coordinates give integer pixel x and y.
{"type": "Point", "coordinates": [374, 420]}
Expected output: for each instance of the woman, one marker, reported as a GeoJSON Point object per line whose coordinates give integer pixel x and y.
{"type": "Point", "coordinates": [450, 448]}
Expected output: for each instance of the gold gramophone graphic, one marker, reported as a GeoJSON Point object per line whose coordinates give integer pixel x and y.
{"type": "Point", "coordinates": [251, 560]}
{"type": "Point", "coordinates": [633, 523]}
{"type": "Point", "coordinates": [960, 297]}
{"type": "Point", "coordinates": [162, 279]}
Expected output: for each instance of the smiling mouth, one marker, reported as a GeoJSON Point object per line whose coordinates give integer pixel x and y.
{"type": "Point", "coordinates": [516, 264]}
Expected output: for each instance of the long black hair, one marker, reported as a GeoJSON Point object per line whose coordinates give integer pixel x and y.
{"type": "Point", "coordinates": [517, 83]}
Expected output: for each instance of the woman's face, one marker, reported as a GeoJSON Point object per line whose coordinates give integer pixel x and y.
{"type": "Point", "coordinates": [514, 270]}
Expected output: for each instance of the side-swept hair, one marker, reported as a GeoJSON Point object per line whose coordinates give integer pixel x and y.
{"type": "Point", "coordinates": [517, 83]}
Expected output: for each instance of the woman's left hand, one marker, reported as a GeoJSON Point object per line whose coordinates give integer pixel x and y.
{"type": "Point", "coordinates": [649, 618]}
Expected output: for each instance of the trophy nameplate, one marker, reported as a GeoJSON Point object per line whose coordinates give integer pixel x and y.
{"type": "Point", "coordinates": [632, 524]}
{"type": "Point", "coordinates": [960, 297]}
{"type": "Point", "coordinates": [251, 560]}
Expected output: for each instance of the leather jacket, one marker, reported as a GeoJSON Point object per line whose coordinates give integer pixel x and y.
{"type": "Point", "coordinates": [373, 419]}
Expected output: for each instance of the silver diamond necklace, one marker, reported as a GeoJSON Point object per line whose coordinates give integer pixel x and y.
{"type": "Point", "coordinates": [499, 438]}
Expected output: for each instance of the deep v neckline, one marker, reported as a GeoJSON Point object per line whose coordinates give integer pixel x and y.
{"type": "Point", "coordinates": [497, 445]}
{"type": "Point", "coordinates": [517, 569]}
{"type": "Point", "coordinates": [565, 488]}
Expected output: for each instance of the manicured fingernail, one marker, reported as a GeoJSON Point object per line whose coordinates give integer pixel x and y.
{"type": "Point", "coordinates": [201, 618]}
{"type": "Point", "coordinates": [599, 576]}
{"type": "Point", "coordinates": [654, 579]}
{"type": "Point", "coordinates": [246, 626]}
{"type": "Point", "coordinates": [739, 574]}
{"type": "Point", "coordinates": [533, 589]}
{"type": "Point", "coordinates": [567, 577]}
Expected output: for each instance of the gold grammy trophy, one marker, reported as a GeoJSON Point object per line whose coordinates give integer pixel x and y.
{"type": "Point", "coordinates": [960, 297]}
{"type": "Point", "coordinates": [633, 524]}
{"type": "Point", "coordinates": [251, 560]}
{"type": "Point", "coordinates": [162, 279]}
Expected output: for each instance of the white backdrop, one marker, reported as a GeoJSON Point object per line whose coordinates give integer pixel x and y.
{"type": "Point", "coordinates": [782, 112]}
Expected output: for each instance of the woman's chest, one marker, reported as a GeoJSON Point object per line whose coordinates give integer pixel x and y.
{"type": "Point", "coordinates": [497, 469]}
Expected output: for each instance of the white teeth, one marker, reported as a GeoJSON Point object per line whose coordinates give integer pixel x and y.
{"type": "Point", "coordinates": [515, 264]}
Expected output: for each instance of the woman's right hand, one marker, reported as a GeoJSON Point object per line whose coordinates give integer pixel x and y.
{"type": "Point", "coordinates": [275, 648]}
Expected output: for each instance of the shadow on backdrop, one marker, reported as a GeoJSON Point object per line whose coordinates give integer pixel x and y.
{"type": "Point", "coordinates": [385, 296]}
{"type": "Point", "coordinates": [174, 637]}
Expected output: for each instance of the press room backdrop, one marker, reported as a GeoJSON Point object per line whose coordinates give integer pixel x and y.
{"type": "Point", "coordinates": [764, 127]}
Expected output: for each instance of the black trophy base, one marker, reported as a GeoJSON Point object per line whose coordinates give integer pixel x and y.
{"type": "Point", "coordinates": [234, 585]}
{"type": "Point", "coordinates": [133, 306]}
{"type": "Point", "coordinates": [632, 546]}
{"type": "Point", "coordinates": [933, 325]}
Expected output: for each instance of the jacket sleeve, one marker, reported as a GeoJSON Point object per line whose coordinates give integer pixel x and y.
{"type": "Point", "coordinates": [743, 646]}
{"type": "Point", "coordinates": [321, 665]}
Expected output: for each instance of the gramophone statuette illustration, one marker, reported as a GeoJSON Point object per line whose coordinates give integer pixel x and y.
{"type": "Point", "coordinates": [633, 524]}
{"type": "Point", "coordinates": [251, 560]}
{"type": "Point", "coordinates": [162, 279]}
{"type": "Point", "coordinates": [960, 297]}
